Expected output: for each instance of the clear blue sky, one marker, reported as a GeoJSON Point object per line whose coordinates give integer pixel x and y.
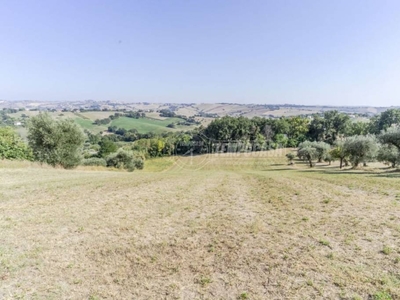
{"type": "Point", "coordinates": [302, 52]}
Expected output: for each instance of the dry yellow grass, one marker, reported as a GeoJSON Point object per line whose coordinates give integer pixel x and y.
{"type": "Point", "coordinates": [205, 227]}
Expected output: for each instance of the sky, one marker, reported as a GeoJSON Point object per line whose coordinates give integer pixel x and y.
{"type": "Point", "coordinates": [318, 52]}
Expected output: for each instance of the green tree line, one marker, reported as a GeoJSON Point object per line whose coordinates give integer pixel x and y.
{"type": "Point", "coordinates": [328, 136]}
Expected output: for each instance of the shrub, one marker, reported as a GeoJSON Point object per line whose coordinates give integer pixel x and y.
{"type": "Point", "coordinates": [290, 156]}
{"type": "Point", "coordinates": [11, 146]}
{"type": "Point", "coordinates": [94, 161]}
{"type": "Point", "coordinates": [124, 159]}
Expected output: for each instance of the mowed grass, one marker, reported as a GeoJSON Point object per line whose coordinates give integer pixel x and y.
{"type": "Point", "coordinates": [225, 226]}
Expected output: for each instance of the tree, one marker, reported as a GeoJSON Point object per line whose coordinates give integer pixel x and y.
{"type": "Point", "coordinates": [328, 127]}
{"type": "Point", "coordinates": [389, 154]}
{"type": "Point", "coordinates": [106, 147]}
{"type": "Point", "coordinates": [385, 120]}
{"type": "Point", "coordinates": [361, 149]}
{"type": "Point", "coordinates": [56, 142]}
{"type": "Point", "coordinates": [357, 128]}
{"type": "Point", "coordinates": [308, 153]}
{"type": "Point", "coordinates": [339, 152]}
{"type": "Point", "coordinates": [12, 147]}
{"type": "Point", "coordinates": [322, 149]}
{"type": "Point", "coordinates": [336, 124]}
{"type": "Point", "coordinates": [298, 128]}
{"type": "Point", "coordinates": [390, 151]}
{"type": "Point", "coordinates": [391, 137]}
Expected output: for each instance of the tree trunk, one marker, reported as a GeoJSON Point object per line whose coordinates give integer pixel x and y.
{"type": "Point", "coordinates": [311, 165]}
{"type": "Point", "coordinates": [341, 163]}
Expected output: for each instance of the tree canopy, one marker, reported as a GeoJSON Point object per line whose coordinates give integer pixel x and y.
{"type": "Point", "coordinates": [11, 145]}
{"type": "Point", "coordinates": [56, 142]}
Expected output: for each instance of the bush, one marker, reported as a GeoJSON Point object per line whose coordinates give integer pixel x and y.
{"type": "Point", "coordinates": [94, 161]}
{"type": "Point", "coordinates": [124, 159]}
{"type": "Point", "coordinates": [11, 146]}
{"type": "Point", "coordinates": [290, 156]}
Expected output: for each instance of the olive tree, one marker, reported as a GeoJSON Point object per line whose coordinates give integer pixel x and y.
{"type": "Point", "coordinates": [391, 137]}
{"type": "Point", "coordinates": [308, 154]}
{"type": "Point", "coordinates": [339, 152]}
{"type": "Point", "coordinates": [361, 149]}
{"type": "Point", "coordinates": [389, 154]}
{"type": "Point", "coordinates": [56, 142]}
{"type": "Point", "coordinates": [390, 150]}
{"type": "Point", "coordinates": [320, 148]}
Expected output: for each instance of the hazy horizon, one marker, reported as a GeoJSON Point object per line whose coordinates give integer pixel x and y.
{"type": "Point", "coordinates": [337, 53]}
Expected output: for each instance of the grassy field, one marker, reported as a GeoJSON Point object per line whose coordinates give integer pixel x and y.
{"type": "Point", "coordinates": [204, 227]}
{"type": "Point", "coordinates": [143, 125]}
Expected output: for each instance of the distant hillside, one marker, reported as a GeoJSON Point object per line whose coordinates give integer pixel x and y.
{"type": "Point", "coordinates": [199, 110]}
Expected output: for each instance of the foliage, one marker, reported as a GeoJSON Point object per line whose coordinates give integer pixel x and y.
{"type": "Point", "coordinates": [167, 113]}
{"type": "Point", "coordinates": [102, 121]}
{"type": "Point", "coordinates": [94, 161]}
{"type": "Point", "coordinates": [307, 153]}
{"type": "Point", "coordinates": [56, 142]}
{"type": "Point", "coordinates": [5, 119]}
{"type": "Point", "coordinates": [391, 137]}
{"type": "Point", "coordinates": [321, 148]}
{"type": "Point", "coordinates": [384, 121]}
{"type": "Point", "coordinates": [124, 159]}
{"type": "Point", "coordinates": [328, 127]}
{"type": "Point", "coordinates": [106, 147]}
{"type": "Point", "coordinates": [290, 156]}
{"type": "Point", "coordinates": [339, 152]}
{"type": "Point", "coordinates": [358, 128]}
{"type": "Point", "coordinates": [389, 154]}
{"type": "Point", "coordinates": [361, 149]}
{"type": "Point", "coordinates": [12, 147]}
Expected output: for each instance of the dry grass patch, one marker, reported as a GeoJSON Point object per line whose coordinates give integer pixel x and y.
{"type": "Point", "coordinates": [217, 227]}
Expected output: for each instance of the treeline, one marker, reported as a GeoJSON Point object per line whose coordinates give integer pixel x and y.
{"type": "Point", "coordinates": [131, 114]}
{"type": "Point", "coordinates": [324, 137]}
{"type": "Point", "coordinates": [62, 143]}
{"type": "Point", "coordinates": [354, 150]}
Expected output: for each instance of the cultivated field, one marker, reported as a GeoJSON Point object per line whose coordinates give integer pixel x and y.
{"type": "Point", "coordinates": [154, 123]}
{"type": "Point", "coordinates": [203, 227]}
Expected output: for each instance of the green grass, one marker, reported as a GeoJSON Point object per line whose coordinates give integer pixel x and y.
{"type": "Point", "coordinates": [142, 125]}
{"type": "Point", "coordinates": [88, 124]}
{"type": "Point", "coordinates": [145, 125]}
